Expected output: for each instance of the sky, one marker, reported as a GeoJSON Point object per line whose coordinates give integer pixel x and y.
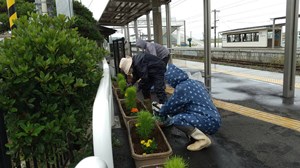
{"type": "Point", "coordinates": [232, 14]}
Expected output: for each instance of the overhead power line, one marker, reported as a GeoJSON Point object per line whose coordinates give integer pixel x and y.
{"type": "Point", "coordinates": [251, 10]}
{"type": "Point", "coordinates": [177, 3]}
{"type": "Point", "coordinates": [90, 3]}
{"type": "Point", "coordinates": [240, 3]}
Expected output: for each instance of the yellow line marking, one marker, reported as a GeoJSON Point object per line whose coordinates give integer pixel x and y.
{"type": "Point", "coordinates": [256, 114]}
{"type": "Point", "coordinates": [260, 115]}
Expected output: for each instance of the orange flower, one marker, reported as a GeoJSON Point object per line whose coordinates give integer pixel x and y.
{"type": "Point", "coordinates": [134, 110]}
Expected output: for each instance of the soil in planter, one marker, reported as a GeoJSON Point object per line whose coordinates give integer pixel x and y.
{"type": "Point", "coordinates": [120, 96]}
{"type": "Point", "coordinates": [115, 84]}
{"type": "Point", "coordinates": [161, 145]}
{"type": "Point", "coordinates": [139, 105]}
{"type": "Point", "coordinates": [148, 104]}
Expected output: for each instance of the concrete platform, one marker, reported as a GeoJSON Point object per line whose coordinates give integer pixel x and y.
{"type": "Point", "coordinates": [259, 129]}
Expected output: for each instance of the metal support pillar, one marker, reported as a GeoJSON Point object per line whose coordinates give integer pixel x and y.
{"type": "Point", "coordinates": [168, 30]}
{"type": "Point", "coordinates": [128, 34]}
{"type": "Point", "coordinates": [184, 35]}
{"type": "Point", "coordinates": [157, 27]}
{"type": "Point", "coordinates": [292, 8]}
{"type": "Point", "coordinates": [125, 32]}
{"type": "Point", "coordinates": [273, 33]}
{"type": "Point", "coordinates": [207, 44]}
{"type": "Point", "coordinates": [136, 32]}
{"type": "Point", "coordinates": [168, 26]}
{"type": "Point", "coordinates": [148, 27]}
{"type": "Point", "coordinates": [178, 36]}
{"type": "Point", "coordinates": [215, 27]}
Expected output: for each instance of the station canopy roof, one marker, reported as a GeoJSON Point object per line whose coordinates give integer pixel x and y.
{"type": "Point", "coordinates": [121, 12]}
{"type": "Point", "coordinates": [248, 29]}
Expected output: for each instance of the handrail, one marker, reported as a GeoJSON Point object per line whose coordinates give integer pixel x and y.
{"type": "Point", "coordinates": [103, 120]}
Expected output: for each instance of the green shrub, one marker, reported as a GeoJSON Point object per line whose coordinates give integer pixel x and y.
{"type": "Point", "coordinates": [120, 77]}
{"type": "Point", "coordinates": [176, 162]}
{"type": "Point", "coordinates": [122, 86]}
{"type": "Point", "coordinates": [49, 80]}
{"type": "Point", "coordinates": [85, 23]}
{"type": "Point", "coordinates": [145, 124]}
{"type": "Point", "coordinates": [130, 98]}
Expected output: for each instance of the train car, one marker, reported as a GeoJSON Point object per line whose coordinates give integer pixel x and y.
{"type": "Point", "coordinates": [255, 37]}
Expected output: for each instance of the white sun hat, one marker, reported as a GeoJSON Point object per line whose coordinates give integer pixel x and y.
{"type": "Point", "coordinates": [125, 64]}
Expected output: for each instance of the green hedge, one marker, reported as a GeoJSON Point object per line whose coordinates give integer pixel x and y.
{"type": "Point", "coordinates": [49, 76]}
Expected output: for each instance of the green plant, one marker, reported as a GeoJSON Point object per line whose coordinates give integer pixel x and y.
{"type": "Point", "coordinates": [130, 98]}
{"type": "Point", "coordinates": [145, 124]}
{"type": "Point", "coordinates": [49, 80]}
{"type": "Point", "coordinates": [120, 77]}
{"type": "Point", "coordinates": [122, 86]}
{"type": "Point", "coordinates": [86, 24]}
{"type": "Point", "coordinates": [175, 162]}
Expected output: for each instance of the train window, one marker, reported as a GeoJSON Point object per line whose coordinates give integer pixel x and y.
{"type": "Point", "coordinates": [244, 37]}
{"type": "Point", "coordinates": [249, 37]}
{"type": "Point", "coordinates": [228, 38]}
{"type": "Point", "coordinates": [255, 37]}
{"type": "Point", "coordinates": [237, 38]}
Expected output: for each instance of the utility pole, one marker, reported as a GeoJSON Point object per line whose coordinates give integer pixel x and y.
{"type": "Point", "coordinates": [215, 26]}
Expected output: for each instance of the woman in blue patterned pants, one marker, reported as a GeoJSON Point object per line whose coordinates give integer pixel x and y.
{"type": "Point", "coordinates": [190, 108]}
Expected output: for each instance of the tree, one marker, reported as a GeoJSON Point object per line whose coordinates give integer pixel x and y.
{"type": "Point", "coordinates": [85, 23]}
{"type": "Point", "coordinates": [23, 7]}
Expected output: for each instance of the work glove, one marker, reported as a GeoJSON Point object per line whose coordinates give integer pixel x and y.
{"type": "Point", "coordinates": [156, 108]}
{"type": "Point", "coordinates": [129, 84]}
{"type": "Point", "coordinates": [163, 120]}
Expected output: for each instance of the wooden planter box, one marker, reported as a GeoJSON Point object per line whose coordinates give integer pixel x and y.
{"type": "Point", "coordinates": [162, 154]}
{"type": "Point", "coordinates": [127, 114]}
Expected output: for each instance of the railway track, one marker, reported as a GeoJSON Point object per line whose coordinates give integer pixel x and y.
{"type": "Point", "coordinates": [239, 63]}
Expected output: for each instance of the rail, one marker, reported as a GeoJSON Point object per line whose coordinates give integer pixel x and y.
{"type": "Point", "coordinates": [103, 120]}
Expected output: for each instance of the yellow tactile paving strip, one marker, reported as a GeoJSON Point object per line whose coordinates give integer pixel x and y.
{"type": "Point", "coordinates": [256, 114]}
{"type": "Point", "coordinates": [255, 77]}
{"type": "Point", "coordinates": [260, 115]}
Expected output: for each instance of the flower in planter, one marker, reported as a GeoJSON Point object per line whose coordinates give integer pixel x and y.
{"type": "Point", "coordinates": [130, 98]}
{"type": "Point", "coordinates": [134, 110]}
{"type": "Point", "coordinates": [145, 124]}
{"type": "Point", "coordinates": [149, 146]}
{"type": "Point", "coordinates": [176, 162]}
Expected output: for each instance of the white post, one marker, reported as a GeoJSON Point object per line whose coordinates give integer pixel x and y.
{"type": "Point", "coordinates": [44, 7]}
{"type": "Point", "coordinates": [178, 36]}
{"type": "Point", "coordinates": [64, 7]}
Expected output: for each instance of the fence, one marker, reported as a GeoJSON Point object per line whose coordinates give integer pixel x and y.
{"type": "Point", "coordinates": [118, 50]}
{"type": "Point", "coordinates": [103, 120]}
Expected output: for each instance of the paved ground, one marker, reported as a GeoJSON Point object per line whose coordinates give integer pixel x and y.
{"type": "Point", "coordinates": [242, 141]}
